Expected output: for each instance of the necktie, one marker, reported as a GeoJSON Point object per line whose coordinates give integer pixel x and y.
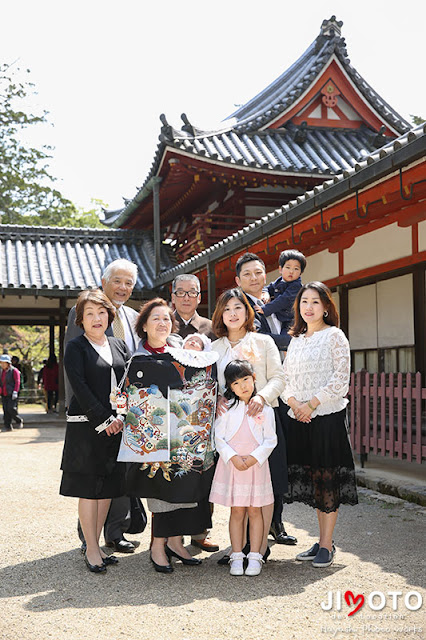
{"type": "Point", "coordinates": [118, 328]}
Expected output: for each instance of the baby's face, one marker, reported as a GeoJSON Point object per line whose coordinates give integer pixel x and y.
{"type": "Point", "coordinates": [194, 343]}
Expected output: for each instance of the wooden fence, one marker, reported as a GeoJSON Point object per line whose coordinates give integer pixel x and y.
{"type": "Point", "coordinates": [387, 415]}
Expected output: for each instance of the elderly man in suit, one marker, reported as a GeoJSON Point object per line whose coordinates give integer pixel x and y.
{"type": "Point", "coordinates": [186, 296]}
{"type": "Point", "coordinates": [118, 281]}
{"type": "Point", "coordinates": [251, 278]}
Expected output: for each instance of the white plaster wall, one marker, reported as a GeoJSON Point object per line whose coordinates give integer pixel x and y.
{"type": "Point", "coordinates": [377, 247]}
{"type": "Point", "coordinates": [363, 317]}
{"type": "Point", "coordinates": [422, 235]}
{"type": "Point", "coordinates": [381, 314]}
{"type": "Point", "coordinates": [321, 266]}
{"type": "Point", "coordinates": [395, 316]}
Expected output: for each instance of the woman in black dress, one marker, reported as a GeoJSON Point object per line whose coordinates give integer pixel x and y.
{"type": "Point", "coordinates": [94, 363]}
{"type": "Point", "coordinates": [171, 397]}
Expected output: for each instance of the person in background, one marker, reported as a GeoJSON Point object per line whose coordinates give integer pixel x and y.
{"type": "Point", "coordinates": [320, 462]}
{"type": "Point", "coordinates": [284, 290]}
{"type": "Point", "coordinates": [118, 281]}
{"type": "Point", "coordinates": [40, 384]}
{"type": "Point", "coordinates": [186, 296]}
{"type": "Point", "coordinates": [251, 278]}
{"type": "Point", "coordinates": [51, 382]}
{"type": "Point", "coordinates": [10, 382]}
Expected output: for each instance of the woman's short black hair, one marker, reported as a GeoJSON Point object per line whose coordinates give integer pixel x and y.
{"type": "Point", "coordinates": [235, 370]}
{"type": "Point", "coordinates": [292, 254]}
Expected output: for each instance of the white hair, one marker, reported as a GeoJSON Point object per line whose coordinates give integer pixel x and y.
{"type": "Point", "coordinates": [184, 277]}
{"type": "Point", "coordinates": [123, 264]}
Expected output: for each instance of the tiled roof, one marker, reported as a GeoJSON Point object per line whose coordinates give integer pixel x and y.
{"type": "Point", "coordinates": [408, 148]}
{"type": "Point", "coordinates": [65, 261]}
{"type": "Point", "coordinates": [244, 141]}
{"type": "Point", "coordinates": [285, 90]}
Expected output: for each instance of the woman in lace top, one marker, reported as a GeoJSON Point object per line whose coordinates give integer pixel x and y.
{"type": "Point", "coordinates": [317, 370]}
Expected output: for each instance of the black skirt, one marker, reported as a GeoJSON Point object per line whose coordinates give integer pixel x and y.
{"type": "Point", "coordinates": [320, 463]}
{"type": "Point", "coordinates": [94, 487]}
{"type": "Point", "coordinates": [182, 521]}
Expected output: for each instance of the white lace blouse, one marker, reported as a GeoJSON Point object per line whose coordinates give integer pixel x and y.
{"type": "Point", "coordinates": [318, 365]}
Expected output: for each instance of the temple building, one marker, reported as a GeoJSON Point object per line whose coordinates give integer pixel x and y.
{"type": "Point", "coordinates": [319, 118]}
{"type": "Point", "coordinates": [318, 161]}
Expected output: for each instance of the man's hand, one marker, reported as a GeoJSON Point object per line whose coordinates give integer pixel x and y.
{"type": "Point", "coordinates": [114, 427]}
{"type": "Point", "coordinates": [14, 395]}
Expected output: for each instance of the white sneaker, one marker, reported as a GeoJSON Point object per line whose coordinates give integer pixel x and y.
{"type": "Point", "coordinates": [255, 561]}
{"type": "Point", "coordinates": [236, 561]}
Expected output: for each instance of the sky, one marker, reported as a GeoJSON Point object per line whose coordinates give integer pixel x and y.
{"type": "Point", "coordinates": [106, 71]}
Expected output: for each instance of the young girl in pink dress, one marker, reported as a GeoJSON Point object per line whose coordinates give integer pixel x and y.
{"type": "Point", "coordinates": [242, 480]}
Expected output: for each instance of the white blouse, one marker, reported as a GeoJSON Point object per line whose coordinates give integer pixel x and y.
{"type": "Point", "coordinates": [318, 365]}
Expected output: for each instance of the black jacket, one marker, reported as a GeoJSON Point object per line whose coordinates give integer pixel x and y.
{"type": "Point", "coordinates": [86, 451]}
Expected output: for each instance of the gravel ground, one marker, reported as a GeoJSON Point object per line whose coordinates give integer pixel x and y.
{"type": "Point", "coordinates": [48, 593]}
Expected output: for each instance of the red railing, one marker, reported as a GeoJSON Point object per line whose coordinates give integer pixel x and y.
{"type": "Point", "coordinates": [387, 415]}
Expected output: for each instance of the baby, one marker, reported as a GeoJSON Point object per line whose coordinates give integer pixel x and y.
{"type": "Point", "coordinates": [197, 342]}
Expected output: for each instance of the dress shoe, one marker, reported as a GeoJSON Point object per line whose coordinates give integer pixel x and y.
{"type": "Point", "coordinates": [224, 560]}
{"type": "Point", "coordinates": [94, 568]}
{"type": "Point", "coordinates": [188, 561]}
{"type": "Point", "coordinates": [109, 560]}
{"type": "Point", "coordinates": [205, 545]}
{"type": "Point", "coordinates": [162, 568]}
{"type": "Point", "coordinates": [279, 534]}
{"type": "Point", "coordinates": [121, 545]}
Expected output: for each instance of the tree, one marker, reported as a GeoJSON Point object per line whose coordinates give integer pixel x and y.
{"type": "Point", "coordinates": [27, 193]}
{"type": "Point", "coordinates": [30, 344]}
{"type": "Point", "coordinates": [417, 119]}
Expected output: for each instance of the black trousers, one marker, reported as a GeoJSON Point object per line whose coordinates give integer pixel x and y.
{"type": "Point", "coordinates": [10, 411]}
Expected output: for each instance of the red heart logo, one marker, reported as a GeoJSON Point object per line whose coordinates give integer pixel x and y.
{"type": "Point", "coordinates": [351, 599]}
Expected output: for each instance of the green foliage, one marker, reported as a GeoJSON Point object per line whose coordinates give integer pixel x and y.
{"type": "Point", "coordinates": [417, 119]}
{"type": "Point", "coordinates": [30, 344]}
{"type": "Point", "coordinates": [27, 193]}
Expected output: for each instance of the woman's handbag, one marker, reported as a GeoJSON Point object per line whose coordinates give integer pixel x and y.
{"type": "Point", "coordinates": [138, 517]}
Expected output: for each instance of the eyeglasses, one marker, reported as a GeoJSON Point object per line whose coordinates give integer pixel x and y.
{"type": "Point", "coordinates": [180, 293]}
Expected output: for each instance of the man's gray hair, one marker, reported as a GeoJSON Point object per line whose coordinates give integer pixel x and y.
{"type": "Point", "coordinates": [122, 264]}
{"type": "Point", "coordinates": [185, 277]}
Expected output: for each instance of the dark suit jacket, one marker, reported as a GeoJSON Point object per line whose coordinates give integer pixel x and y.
{"type": "Point", "coordinates": [262, 326]}
{"type": "Point", "coordinates": [73, 331]}
{"type": "Point", "coordinates": [86, 451]}
{"type": "Point", "coordinates": [198, 324]}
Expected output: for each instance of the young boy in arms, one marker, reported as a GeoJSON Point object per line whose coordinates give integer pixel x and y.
{"type": "Point", "coordinates": [284, 290]}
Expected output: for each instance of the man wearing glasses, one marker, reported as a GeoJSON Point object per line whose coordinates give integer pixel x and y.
{"type": "Point", "coordinates": [186, 297]}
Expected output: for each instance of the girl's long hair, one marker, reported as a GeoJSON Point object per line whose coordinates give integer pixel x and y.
{"type": "Point", "coordinates": [235, 370]}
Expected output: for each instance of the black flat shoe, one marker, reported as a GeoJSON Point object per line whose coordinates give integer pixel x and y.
{"type": "Point", "coordinates": [95, 568]}
{"type": "Point", "coordinates": [188, 561]}
{"type": "Point", "coordinates": [109, 560]}
{"type": "Point", "coordinates": [162, 568]}
{"type": "Point", "coordinates": [224, 560]}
